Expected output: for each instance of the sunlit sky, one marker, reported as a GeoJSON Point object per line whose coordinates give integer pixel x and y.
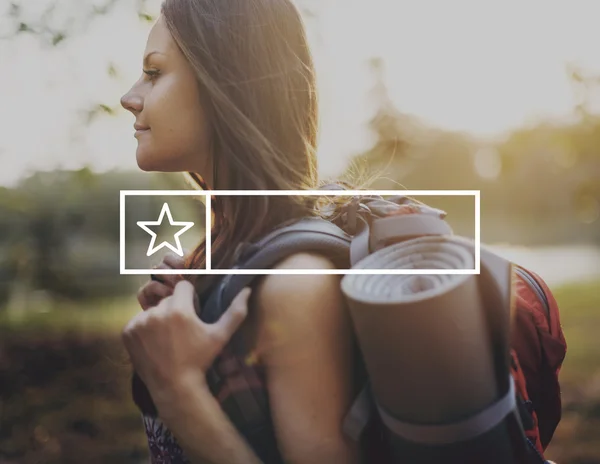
{"type": "Point", "coordinates": [479, 66]}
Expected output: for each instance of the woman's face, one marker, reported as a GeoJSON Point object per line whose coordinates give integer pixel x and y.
{"type": "Point", "coordinates": [171, 127]}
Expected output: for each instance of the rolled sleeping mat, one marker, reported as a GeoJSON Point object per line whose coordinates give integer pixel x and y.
{"type": "Point", "coordinates": [436, 348]}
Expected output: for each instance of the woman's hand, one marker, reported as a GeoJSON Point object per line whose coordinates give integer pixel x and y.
{"type": "Point", "coordinates": [159, 287]}
{"type": "Point", "coordinates": [171, 348]}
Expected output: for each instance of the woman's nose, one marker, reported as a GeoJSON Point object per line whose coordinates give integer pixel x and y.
{"type": "Point", "coordinates": [132, 101]}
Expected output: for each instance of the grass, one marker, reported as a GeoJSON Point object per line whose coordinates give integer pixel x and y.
{"type": "Point", "coordinates": [66, 398]}
{"type": "Point", "coordinates": [580, 318]}
{"type": "Point", "coordinates": [101, 317]}
{"type": "Point", "coordinates": [65, 394]}
{"type": "Point", "coordinates": [577, 438]}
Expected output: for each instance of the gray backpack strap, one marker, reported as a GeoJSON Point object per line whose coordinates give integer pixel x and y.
{"type": "Point", "coordinates": [309, 234]}
{"type": "Point", "coordinates": [360, 247]}
{"type": "Point", "coordinates": [464, 430]}
{"type": "Point", "coordinates": [305, 235]}
{"type": "Point", "coordinates": [359, 416]}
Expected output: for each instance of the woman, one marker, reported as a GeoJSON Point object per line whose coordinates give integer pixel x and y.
{"type": "Point", "coordinates": [228, 95]}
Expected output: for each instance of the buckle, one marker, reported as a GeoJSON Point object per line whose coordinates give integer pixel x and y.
{"type": "Point", "coordinates": [351, 212]}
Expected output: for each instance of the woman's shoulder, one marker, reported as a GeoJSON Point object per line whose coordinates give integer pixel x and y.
{"type": "Point", "coordinates": [280, 285]}
{"type": "Point", "coordinates": [298, 300]}
{"type": "Point", "coordinates": [306, 260]}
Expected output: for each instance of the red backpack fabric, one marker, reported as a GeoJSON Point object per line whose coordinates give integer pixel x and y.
{"type": "Point", "coordinates": [538, 348]}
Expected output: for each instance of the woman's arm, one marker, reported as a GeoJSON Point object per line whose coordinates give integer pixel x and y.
{"type": "Point", "coordinates": [203, 431]}
{"type": "Point", "coordinates": [305, 344]}
{"type": "Point", "coordinates": [171, 349]}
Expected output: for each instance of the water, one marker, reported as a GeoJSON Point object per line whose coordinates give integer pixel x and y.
{"type": "Point", "coordinates": [555, 264]}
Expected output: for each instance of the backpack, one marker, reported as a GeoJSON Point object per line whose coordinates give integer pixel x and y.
{"type": "Point", "coordinates": [520, 317]}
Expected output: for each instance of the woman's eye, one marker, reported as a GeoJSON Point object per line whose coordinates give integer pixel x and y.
{"type": "Point", "coordinates": [151, 73]}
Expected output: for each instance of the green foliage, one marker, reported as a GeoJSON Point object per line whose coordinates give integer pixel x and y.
{"type": "Point", "coordinates": [580, 312]}
{"type": "Point", "coordinates": [58, 38]}
{"type": "Point", "coordinates": [99, 109]}
{"type": "Point", "coordinates": [66, 399]}
{"type": "Point", "coordinates": [576, 439]}
{"type": "Point", "coordinates": [59, 231]}
{"type": "Point", "coordinates": [146, 17]}
{"type": "Point", "coordinates": [545, 188]}
{"type": "Point", "coordinates": [112, 70]}
{"type": "Point", "coordinates": [52, 31]}
{"type": "Point", "coordinates": [93, 317]}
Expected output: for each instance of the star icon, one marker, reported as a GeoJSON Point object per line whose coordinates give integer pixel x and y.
{"type": "Point", "coordinates": [184, 226]}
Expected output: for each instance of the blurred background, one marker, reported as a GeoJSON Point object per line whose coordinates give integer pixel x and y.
{"type": "Point", "coordinates": [500, 97]}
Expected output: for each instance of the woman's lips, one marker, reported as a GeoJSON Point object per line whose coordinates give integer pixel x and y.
{"type": "Point", "coordinates": [139, 129]}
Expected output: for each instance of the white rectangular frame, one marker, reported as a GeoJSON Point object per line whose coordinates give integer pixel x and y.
{"type": "Point", "coordinates": [209, 194]}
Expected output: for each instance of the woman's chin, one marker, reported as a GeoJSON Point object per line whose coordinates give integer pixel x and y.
{"type": "Point", "coordinates": [146, 162]}
{"type": "Point", "coordinates": [153, 161]}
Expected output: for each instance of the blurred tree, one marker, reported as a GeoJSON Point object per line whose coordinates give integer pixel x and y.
{"type": "Point", "coordinates": [548, 175]}
{"type": "Point", "coordinates": [387, 123]}
{"type": "Point", "coordinates": [584, 84]}
{"type": "Point", "coordinates": [59, 230]}
{"type": "Point", "coordinates": [54, 21]}
{"type": "Point", "coordinates": [393, 134]}
{"type": "Point", "coordinates": [545, 184]}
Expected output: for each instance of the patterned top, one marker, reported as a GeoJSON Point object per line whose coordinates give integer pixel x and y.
{"type": "Point", "coordinates": [240, 387]}
{"type": "Point", "coordinates": [162, 444]}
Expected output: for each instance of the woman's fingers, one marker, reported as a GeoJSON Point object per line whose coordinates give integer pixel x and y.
{"type": "Point", "coordinates": [174, 261]}
{"type": "Point", "coordinates": [170, 261]}
{"type": "Point", "coordinates": [184, 297]}
{"type": "Point", "coordinates": [168, 279]}
{"type": "Point", "coordinates": [161, 285]}
{"type": "Point", "coordinates": [152, 293]}
{"type": "Point", "coordinates": [231, 319]}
